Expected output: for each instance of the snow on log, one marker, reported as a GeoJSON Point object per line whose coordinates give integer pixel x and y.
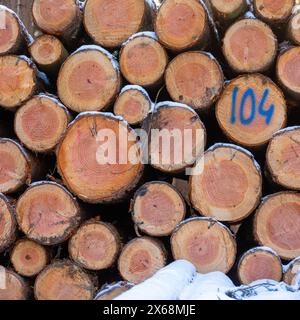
{"type": "Point", "coordinates": [166, 284]}
{"type": "Point", "coordinates": [292, 273]}
{"type": "Point", "coordinates": [112, 291]}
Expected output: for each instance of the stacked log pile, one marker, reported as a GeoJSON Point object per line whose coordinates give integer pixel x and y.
{"type": "Point", "coordinates": [74, 225]}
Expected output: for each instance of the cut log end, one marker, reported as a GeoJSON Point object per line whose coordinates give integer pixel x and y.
{"type": "Point", "coordinates": [157, 209]}
{"type": "Point", "coordinates": [7, 224]}
{"type": "Point", "coordinates": [88, 81]}
{"type": "Point", "coordinates": [88, 170]}
{"type": "Point", "coordinates": [15, 166]}
{"type": "Point", "coordinates": [292, 271]}
{"type": "Point", "coordinates": [15, 286]}
{"type": "Point", "coordinates": [194, 78]}
{"type": "Point", "coordinates": [55, 16]}
{"type": "Point", "coordinates": [250, 46]}
{"type": "Point", "coordinates": [184, 125]}
{"type": "Point", "coordinates": [230, 185]}
{"type": "Point", "coordinates": [287, 63]}
{"type": "Point", "coordinates": [208, 244]}
{"type": "Point", "coordinates": [48, 53]}
{"type": "Point", "coordinates": [11, 38]}
{"type": "Point", "coordinates": [29, 258]}
{"type": "Point", "coordinates": [251, 109]}
{"type": "Point", "coordinates": [40, 123]}
{"type": "Point", "coordinates": [17, 81]}
{"type": "Point", "coordinates": [95, 246]}
{"type": "Point", "coordinates": [110, 292]}
{"type": "Point", "coordinates": [143, 61]}
{"type": "Point", "coordinates": [181, 24]}
{"type": "Point", "coordinates": [63, 280]}
{"type": "Point", "coordinates": [277, 224]}
{"type": "Point", "coordinates": [227, 10]}
{"type": "Point", "coordinates": [47, 213]}
{"type": "Point", "coordinates": [110, 22]}
{"type": "Point", "coordinates": [294, 28]}
{"type": "Point", "coordinates": [273, 11]}
{"type": "Point", "coordinates": [259, 264]}
{"type": "Point", "coordinates": [140, 259]}
{"type": "Point", "coordinates": [282, 158]}
{"type": "Point", "coordinates": [133, 105]}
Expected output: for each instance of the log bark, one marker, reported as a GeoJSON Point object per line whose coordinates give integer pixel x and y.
{"type": "Point", "coordinates": [18, 80]}
{"type": "Point", "coordinates": [89, 80]}
{"type": "Point", "coordinates": [273, 12]}
{"type": "Point", "coordinates": [249, 46]}
{"type": "Point", "coordinates": [13, 35]}
{"type": "Point", "coordinates": [48, 53]}
{"type": "Point", "coordinates": [258, 264]}
{"type": "Point", "coordinates": [229, 187]}
{"type": "Point", "coordinates": [291, 272]}
{"type": "Point", "coordinates": [194, 78]}
{"type": "Point", "coordinates": [133, 104]}
{"type": "Point", "coordinates": [277, 224]}
{"type": "Point", "coordinates": [251, 109]}
{"type": "Point", "coordinates": [15, 287]}
{"type": "Point", "coordinates": [29, 258]}
{"type": "Point", "coordinates": [157, 208]}
{"type": "Point", "coordinates": [282, 159]}
{"type": "Point", "coordinates": [287, 61]}
{"type": "Point", "coordinates": [140, 259]}
{"type": "Point", "coordinates": [47, 213]}
{"type": "Point", "coordinates": [143, 60]}
{"type": "Point", "coordinates": [41, 123]}
{"type": "Point", "coordinates": [95, 245]}
{"type": "Point", "coordinates": [18, 167]}
{"type": "Point", "coordinates": [64, 280]}
{"type": "Point", "coordinates": [184, 125]}
{"type": "Point", "coordinates": [112, 291]}
{"type": "Point", "coordinates": [83, 163]}
{"type": "Point", "coordinates": [182, 25]}
{"type": "Point", "coordinates": [61, 18]}
{"type": "Point", "coordinates": [8, 225]}
{"type": "Point", "coordinates": [117, 21]}
{"type": "Point", "coordinates": [208, 244]}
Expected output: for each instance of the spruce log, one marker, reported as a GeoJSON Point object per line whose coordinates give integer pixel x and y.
{"type": "Point", "coordinates": [61, 18]}
{"type": "Point", "coordinates": [208, 244]}
{"type": "Point", "coordinates": [277, 224]}
{"type": "Point", "coordinates": [112, 291]}
{"type": "Point", "coordinates": [48, 53]}
{"type": "Point", "coordinates": [97, 169]}
{"type": "Point", "coordinates": [179, 137]}
{"type": "Point", "coordinates": [133, 104]}
{"type": "Point", "coordinates": [64, 280]}
{"type": "Point", "coordinates": [230, 185]}
{"type": "Point", "coordinates": [273, 12]}
{"type": "Point", "coordinates": [258, 264]}
{"type": "Point", "coordinates": [15, 287]}
{"type": "Point", "coordinates": [182, 24]}
{"type": "Point", "coordinates": [8, 225]}
{"type": "Point", "coordinates": [41, 122]}
{"type": "Point", "coordinates": [250, 46]}
{"type": "Point", "coordinates": [143, 60]}
{"type": "Point", "coordinates": [251, 109]}
{"type": "Point", "coordinates": [18, 80]}
{"type": "Point", "coordinates": [47, 213]}
{"type": "Point", "coordinates": [194, 78]}
{"type": "Point", "coordinates": [282, 158]}
{"type": "Point", "coordinates": [293, 29]}
{"type": "Point", "coordinates": [95, 245]}
{"type": "Point", "coordinates": [291, 272]}
{"type": "Point", "coordinates": [110, 22]}
{"type": "Point", "coordinates": [157, 208]}
{"type": "Point", "coordinates": [288, 64]}
{"type": "Point", "coordinates": [140, 259]}
{"type": "Point", "coordinates": [29, 258]}
{"type": "Point", "coordinates": [18, 167]}
{"type": "Point", "coordinates": [89, 80]}
{"type": "Point", "coordinates": [13, 35]}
